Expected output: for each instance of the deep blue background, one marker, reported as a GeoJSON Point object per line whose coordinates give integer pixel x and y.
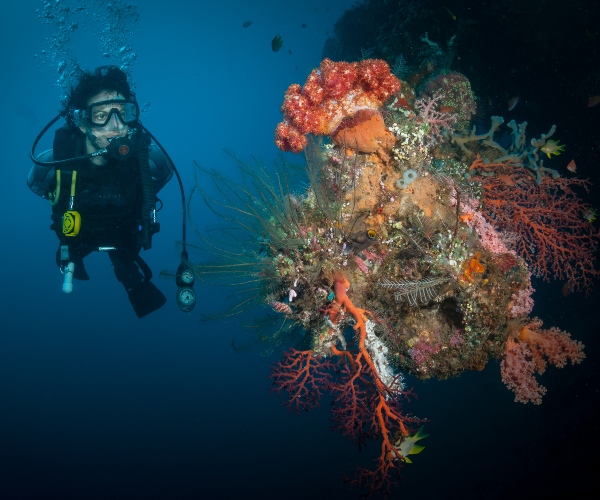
{"type": "Point", "coordinates": [97, 403]}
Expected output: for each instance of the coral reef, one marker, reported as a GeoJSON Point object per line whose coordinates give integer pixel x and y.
{"type": "Point", "coordinates": [406, 234]}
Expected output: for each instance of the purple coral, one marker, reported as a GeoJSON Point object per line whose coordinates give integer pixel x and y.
{"type": "Point", "coordinates": [421, 352]}
{"type": "Point", "coordinates": [455, 90]}
{"type": "Point", "coordinates": [429, 111]}
{"type": "Point", "coordinates": [457, 339]}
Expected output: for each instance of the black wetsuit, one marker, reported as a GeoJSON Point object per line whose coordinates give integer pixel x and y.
{"type": "Point", "coordinates": [109, 200]}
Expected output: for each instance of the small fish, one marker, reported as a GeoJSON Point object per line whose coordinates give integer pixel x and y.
{"type": "Point", "coordinates": [408, 445]}
{"type": "Point", "coordinates": [593, 101]}
{"type": "Point", "coordinates": [246, 24]}
{"type": "Point", "coordinates": [304, 25]}
{"type": "Point", "coordinates": [447, 109]}
{"type": "Point", "coordinates": [590, 215]}
{"type": "Point", "coordinates": [290, 51]}
{"type": "Point", "coordinates": [276, 43]}
{"type": "Point", "coordinates": [513, 102]}
{"type": "Point", "coordinates": [450, 13]}
{"type": "Point", "coordinates": [571, 167]}
{"type": "Point", "coordinates": [553, 148]}
{"type": "Point", "coordinates": [568, 287]}
{"type": "Point", "coordinates": [282, 308]}
{"type": "Point", "coordinates": [357, 242]}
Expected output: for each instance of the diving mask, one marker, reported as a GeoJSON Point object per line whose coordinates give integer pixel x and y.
{"type": "Point", "coordinates": [99, 113]}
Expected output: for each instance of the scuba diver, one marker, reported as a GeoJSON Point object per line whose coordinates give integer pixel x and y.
{"type": "Point", "coordinates": [101, 178]}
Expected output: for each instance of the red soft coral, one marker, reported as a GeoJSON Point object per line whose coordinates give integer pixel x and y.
{"type": "Point", "coordinates": [332, 92]}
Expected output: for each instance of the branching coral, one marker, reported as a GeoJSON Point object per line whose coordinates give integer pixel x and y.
{"type": "Point", "coordinates": [364, 399]}
{"type": "Point", "coordinates": [518, 153]}
{"type": "Point", "coordinates": [547, 220]}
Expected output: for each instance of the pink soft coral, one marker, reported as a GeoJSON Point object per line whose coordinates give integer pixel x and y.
{"type": "Point", "coordinates": [518, 369]}
{"type": "Point", "coordinates": [530, 352]}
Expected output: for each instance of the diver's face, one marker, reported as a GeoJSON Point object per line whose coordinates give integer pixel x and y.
{"type": "Point", "coordinates": [99, 137]}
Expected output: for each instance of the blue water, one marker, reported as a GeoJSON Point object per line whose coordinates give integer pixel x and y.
{"type": "Point", "coordinates": [96, 403]}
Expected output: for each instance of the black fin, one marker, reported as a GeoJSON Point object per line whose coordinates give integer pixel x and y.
{"type": "Point", "coordinates": [145, 298]}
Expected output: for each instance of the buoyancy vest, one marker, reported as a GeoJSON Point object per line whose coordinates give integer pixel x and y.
{"type": "Point", "coordinates": [108, 197]}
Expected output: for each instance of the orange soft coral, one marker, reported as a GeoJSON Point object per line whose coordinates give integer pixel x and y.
{"type": "Point", "coordinates": [472, 267]}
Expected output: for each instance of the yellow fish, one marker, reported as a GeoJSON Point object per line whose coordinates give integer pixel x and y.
{"type": "Point", "coordinates": [590, 215]}
{"type": "Point", "coordinates": [553, 148]}
{"type": "Point", "coordinates": [409, 447]}
{"type": "Point", "coordinates": [450, 13]}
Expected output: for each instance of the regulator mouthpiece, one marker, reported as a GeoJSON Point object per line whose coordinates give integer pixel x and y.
{"type": "Point", "coordinates": [121, 148]}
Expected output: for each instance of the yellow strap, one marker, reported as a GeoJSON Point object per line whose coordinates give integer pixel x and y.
{"type": "Point", "coordinates": [73, 181]}
{"type": "Point", "coordinates": [53, 197]}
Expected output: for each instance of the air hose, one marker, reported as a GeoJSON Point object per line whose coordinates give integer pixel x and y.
{"type": "Point", "coordinates": [148, 226]}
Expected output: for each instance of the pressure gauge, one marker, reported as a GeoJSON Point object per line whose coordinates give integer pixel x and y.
{"type": "Point", "coordinates": [186, 299]}
{"type": "Point", "coordinates": [187, 276]}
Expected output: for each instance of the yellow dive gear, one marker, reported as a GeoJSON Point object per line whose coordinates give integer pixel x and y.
{"type": "Point", "coordinates": [71, 218]}
{"type": "Point", "coordinates": [53, 197]}
{"type": "Point", "coordinates": [71, 223]}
